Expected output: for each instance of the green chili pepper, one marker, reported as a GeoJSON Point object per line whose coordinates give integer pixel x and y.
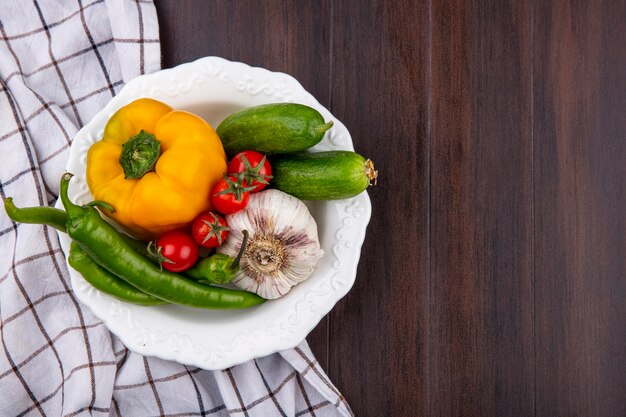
{"type": "Point", "coordinates": [58, 219]}
{"type": "Point", "coordinates": [106, 282]}
{"type": "Point", "coordinates": [105, 246]}
{"type": "Point", "coordinates": [36, 215]}
{"type": "Point", "coordinates": [218, 268]}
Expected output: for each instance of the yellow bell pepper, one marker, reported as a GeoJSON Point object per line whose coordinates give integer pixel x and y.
{"type": "Point", "coordinates": [156, 166]}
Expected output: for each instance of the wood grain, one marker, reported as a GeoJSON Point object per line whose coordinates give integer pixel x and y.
{"type": "Point", "coordinates": [380, 90]}
{"type": "Point", "coordinates": [580, 207]}
{"type": "Point", "coordinates": [492, 281]}
{"type": "Point", "coordinates": [481, 349]}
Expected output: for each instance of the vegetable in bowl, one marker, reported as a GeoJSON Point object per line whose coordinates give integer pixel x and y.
{"type": "Point", "coordinates": [156, 165]}
{"type": "Point", "coordinates": [283, 247]}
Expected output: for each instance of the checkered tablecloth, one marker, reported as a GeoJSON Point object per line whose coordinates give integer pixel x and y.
{"type": "Point", "coordinates": [60, 62]}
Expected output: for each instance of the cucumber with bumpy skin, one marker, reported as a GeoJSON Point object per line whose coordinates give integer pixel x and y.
{"type": "Point", "coordinates": [273, 128]}
{"type": "Point", "coordinates": [330, 175]}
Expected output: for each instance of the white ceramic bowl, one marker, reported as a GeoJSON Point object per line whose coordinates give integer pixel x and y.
{"type": "Point", "coordinates": [213, 88]}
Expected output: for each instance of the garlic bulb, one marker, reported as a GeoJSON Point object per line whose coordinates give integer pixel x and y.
{"type": "Point", "coordinates": [283, 246]}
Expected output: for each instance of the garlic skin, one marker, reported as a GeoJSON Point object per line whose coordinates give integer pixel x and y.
{"type": "Point", "coordinates": [283, 246]}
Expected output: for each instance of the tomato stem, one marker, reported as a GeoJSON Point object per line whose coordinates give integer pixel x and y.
{"type": "Point", "coordinates": [251, 174]}
{"type": "Point", "coordinates": [235, 187]}
{"type": "Point", "coordinates": [154, 252]}
{"type": "Point", "coordinates": [215, 229]}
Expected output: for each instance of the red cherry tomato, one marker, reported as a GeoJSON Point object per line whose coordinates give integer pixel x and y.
{"type": "Point", "coordinates": [230, 194]}
{"type": "Point", "coordinates": [209, 230]}
{"type": "Point", "coordinates": [254, 168]}
{"type": "Point", "coordinates": [178, 251]}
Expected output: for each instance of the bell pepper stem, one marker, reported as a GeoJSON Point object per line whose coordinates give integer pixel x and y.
{"type": "Point", "coordinates": [139, 155]}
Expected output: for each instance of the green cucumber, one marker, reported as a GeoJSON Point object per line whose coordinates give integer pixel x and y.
{"type": "Point", "coordinates": [273, 128]}
{"type": "Point", "coordinates": [330, 175]}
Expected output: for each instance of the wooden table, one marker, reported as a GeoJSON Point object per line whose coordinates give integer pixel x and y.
{"type": "Point", "coordinates": [492, 279]}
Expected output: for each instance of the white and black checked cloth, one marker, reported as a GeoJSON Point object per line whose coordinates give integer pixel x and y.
{"type": "Point", "coordinates": [60, 62]}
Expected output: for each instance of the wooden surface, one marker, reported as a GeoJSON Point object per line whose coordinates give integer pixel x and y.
{"type": "Point", "coordinates": [492, 281]}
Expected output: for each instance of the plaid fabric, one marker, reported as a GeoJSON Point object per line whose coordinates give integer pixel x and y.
{"type": "Point", "coordinates": [60, 62]}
